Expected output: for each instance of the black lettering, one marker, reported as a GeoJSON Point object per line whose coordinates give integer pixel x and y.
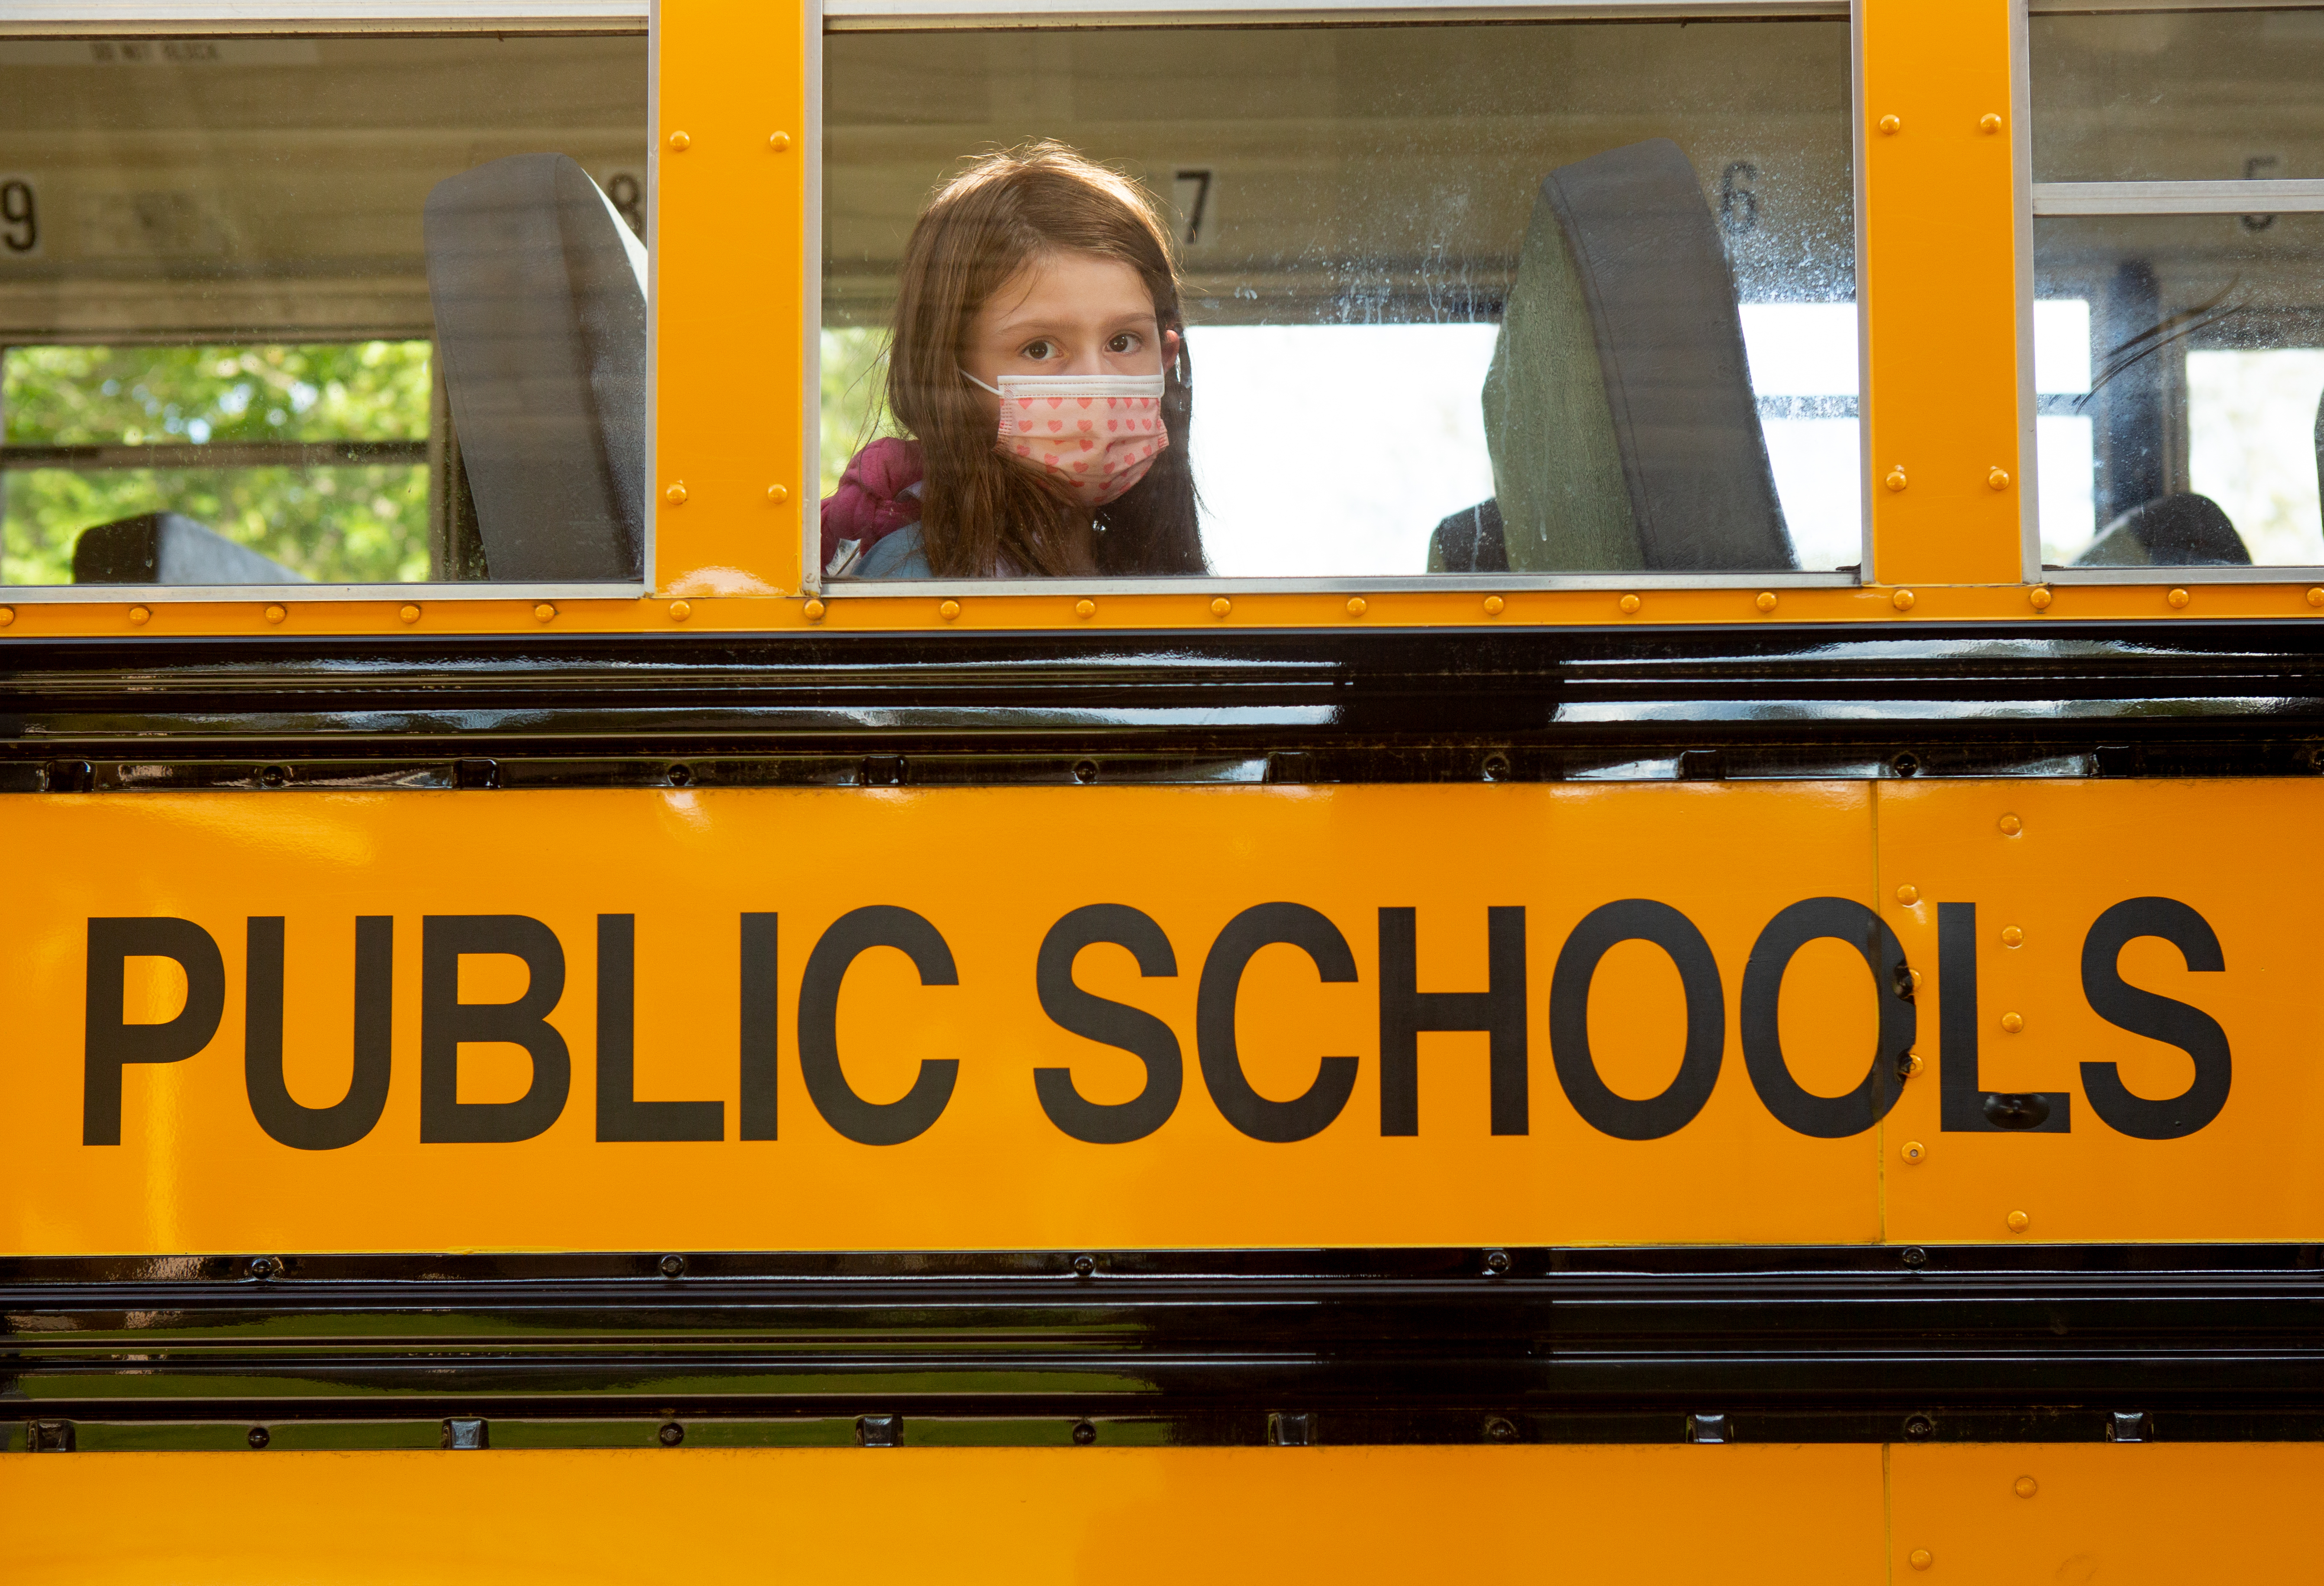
{"type": "Point", "coordinates": [621, 1116]}
{"type": "Point", "coordinates": [1826, 1118]}
{"type": "Point", "coordinates": [353, 1115]}
{"type": "Point", "coordinates": [1637, 919]}
{"type": "Point", "coordinates": [871, 1123]}
{"type": "Point", "coordinates": [761, 1013]}
{"type": "Point", "coordinates": [111, 1041]}
{"type": "Point", "coordinates": [1964, 1106]}
{"type": "Point", "coordinates": [1499, 1009]}
{"type": "Point", "coordinates": [445, 1023]}
{"type": "Point", "coordinates": [2156, 1017]}
{"type": "Point", "coordinates": [1261, 926]}
{"type": "Point", "coordinates": [1112, 1024]}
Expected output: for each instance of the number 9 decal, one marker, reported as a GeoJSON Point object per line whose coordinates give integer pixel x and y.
{"type": "Point", "coordinates": [19, 217]}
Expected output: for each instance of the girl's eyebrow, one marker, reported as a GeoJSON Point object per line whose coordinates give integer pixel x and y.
{"type": "Point", "coordinates": [1030, 323]}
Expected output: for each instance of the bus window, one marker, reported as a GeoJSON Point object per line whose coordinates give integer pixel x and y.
{"type": "Point", "coordinates": [323, 311]}
{"type": "Point", "coordinates": [2178, 313]}
{"type": "Point", "coordinates": [1510, 298]}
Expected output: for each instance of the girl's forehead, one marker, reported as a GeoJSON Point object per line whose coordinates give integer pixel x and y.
{"type": "Point", "coordinates": [1070, 282]}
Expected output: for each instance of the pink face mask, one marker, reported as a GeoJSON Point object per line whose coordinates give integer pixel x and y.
{"type": "Point", "coordinates": [1099, 433]}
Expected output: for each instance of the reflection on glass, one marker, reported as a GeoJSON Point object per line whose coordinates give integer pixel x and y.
{"type": "Point", "coordinates": [2209, 95]}
{"type": "Point", "coordinates": [349, 309]}
{"type": "Point", "coordinates": [2183, 429]}
{"type": "Point", "coordinates": [1522, 297]}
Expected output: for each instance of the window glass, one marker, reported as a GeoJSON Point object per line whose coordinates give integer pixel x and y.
{"type": "Point", "coordinates": [347, 309]}
{"type": "Point", "coordinates": [2179, 328]}
{"type": "Point", "coordinates": [1515, 298]}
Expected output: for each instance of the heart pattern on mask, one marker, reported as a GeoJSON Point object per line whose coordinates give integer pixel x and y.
{"type": "Point", "coordinates": [1109, 462]}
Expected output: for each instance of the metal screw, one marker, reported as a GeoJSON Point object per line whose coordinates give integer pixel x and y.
{"type": "Point", "coordinates": [1085, 1265]}
{"type": "Point", "coordinates": [1906, 764]}
{"type": "Point", "coordinates": [274, 776]}
{"type": "Point", "coordinates": [1497, 767]}
{"type": "Point", "coordinates": [260, 1437]}
{"type": "Point", "coordinates": [680, 776]}
{"type": "Point", "coordinates": [1497, 1262]}
{"type": "Point", "coordinates": [672, 1265]}
{"type": "Point", "coordinates": [1501, 1429]}
{"type": "Point", "coordinates": [671, 1434]}
{"type": "Point", "coordinates": [1919, 1428]}
{"type": "Point", "coordinates": [1914, 1256]}
{"type": "Point", "coordinates": [1084, 770]}
{"type": "Point", "coordinates": [1084, 1434]}
{"type": "Point", "coordinates": [262, 1268]}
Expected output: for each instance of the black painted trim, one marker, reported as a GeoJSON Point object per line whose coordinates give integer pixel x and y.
{"type": "Point", "coordinates": [1814, 1343]}
{"type": "Point", "coordinates": [2242, 698]}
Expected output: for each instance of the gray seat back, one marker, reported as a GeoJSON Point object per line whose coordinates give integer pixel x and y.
{"type": "Point", "coordinates": [168, 547]}
{"type": "Point", "coordinates": [540, 324]}
{"type": "Point", "coordinates": [1669, 348]}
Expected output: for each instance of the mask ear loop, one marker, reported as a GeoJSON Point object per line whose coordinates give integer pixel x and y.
{"type": "Point", "coordinates": [973, 380]}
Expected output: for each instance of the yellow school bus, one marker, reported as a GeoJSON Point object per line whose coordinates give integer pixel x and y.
{"type": "Point", "coordinates": [1682, 954]}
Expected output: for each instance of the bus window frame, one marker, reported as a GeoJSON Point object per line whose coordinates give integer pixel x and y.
{"type": "Point", "coordinates": [829, 17]}
{"type": "Point", "coordinates": [2043, 200]}
{"type": "Point", "coordinates": [67, 20]}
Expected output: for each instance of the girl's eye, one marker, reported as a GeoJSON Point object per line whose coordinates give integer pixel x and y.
{"type": "Point", "coordinates": [1039, 351]}
{"type": "Point", "coordinates": [1127, 342]}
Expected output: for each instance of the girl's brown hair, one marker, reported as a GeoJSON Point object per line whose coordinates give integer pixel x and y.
{"type": "Point", "coordinates": [983, 513]}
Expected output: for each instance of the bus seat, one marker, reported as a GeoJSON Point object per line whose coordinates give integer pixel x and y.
{"type": "Point", "coordinates": [1470, 541]}
{"type": "Point", "coordinates": [1618, 408]}
{"type": "Point", "coordinates": [168, 547]}
{"type": "Point", "coordinates": [540, 293]}
{"type": "Point", "coordinates": [2183, 531]}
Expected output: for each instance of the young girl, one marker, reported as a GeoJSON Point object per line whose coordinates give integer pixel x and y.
{"type": "Point", "coordinates": [1038, 365]}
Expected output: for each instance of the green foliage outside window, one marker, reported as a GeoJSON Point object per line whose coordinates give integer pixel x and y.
{"type": "Point", "coordinates": [854, 382]}
{"type": "Point", "coordinates": [355, 524]}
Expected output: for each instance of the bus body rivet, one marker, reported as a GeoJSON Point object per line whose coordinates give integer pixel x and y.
{"type": "Point", "coordinates": [1356, 607]}
{"type": "Point", "coordinates": [545, 611]}
{"type": "Point", "coordinates": [275, 613]}
{"type": "Point", "coordinates": [678, 141]}
{"type": "Point", "coordinates": [1767, 601]}
{"type": "Point", "coordinates": [2025, 1487]}
{"type": "Point", "coordinates": [2177, 599]}
{"type": "Point", "coordinates": [814, 611]}
{"type": "Point", "coordinates": [1222, 607]}
{"type": "Point", "coordinates": [1913, 1063]}
{"type": "Point", "coordinates": [671, 1434]}
{"type": "Point", "coordinates": [778, 495]}
{"type": "Point", "coordinates": [2316, 597]}
{"type": "Point", "coordinates": [1908, 893]}
{"type": "Point", "coordinates": [1916, 978]}
{"type": "Point", "coordinates": [8, 614]}
{"type": "Point", "coordinates": [1998, 479]}
{"type": "Point", "coordinates": [1495, 606]}
{"type": "Point", "coordinates": [949, 609]}
{"type": "Point", "coordinates": [2040, 597]}
{"type": "Point", "coordinates": [1085, 608]}
{"type": "Point", "coordinates": [1895, 479]}
{"type": "Point", "coordinates": [1922, 1558]}
{"type": "Point", "coordinates": [1915, 1151]}
{"type": "Point", "coordinates": [2011, 937]}
{"type": "Point", "coordinates": [259, 1437]}
{"type": "Point", "coordinates": [1988, 123]}
{"type": "Point", "coordinates": [1892, 124]}
{"type": "Point", "coordinates": [1901, 600]}
{"type": "Point", "coordinates": [676, 494]}
{"type": "Point", "coordinates": [779, 141]}
{"type": "Point", "coordinates": [2011, 826]}
{"type": "Point", "coordinates": [2018, 1222]}
{"type": "Point", "coordinates": [1084, 1265]}
{"type": "Point", "coordinates": [139, 616]}
{"type": "Point", "coordinates": [1629, 604]}
{"type": "Point", "coordinates": [2013, 1022]}
{"type": "Point", "coordinates": [679, 610]}
{"type": "Point", "coordinates": [409, 614]}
